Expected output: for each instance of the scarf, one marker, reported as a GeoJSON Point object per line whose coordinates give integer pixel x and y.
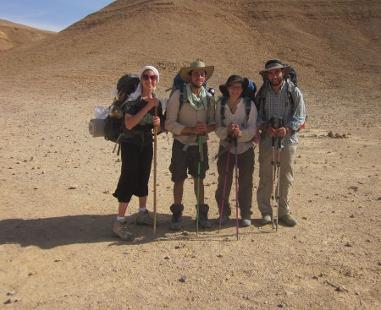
{"type": "Point", "coordinates": [197, 102]}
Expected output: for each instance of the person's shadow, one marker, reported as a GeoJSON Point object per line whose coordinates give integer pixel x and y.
{"type": "Point", "coordinates": [48, 233]}
{"type": "Point", "coordinates": [51, 232]}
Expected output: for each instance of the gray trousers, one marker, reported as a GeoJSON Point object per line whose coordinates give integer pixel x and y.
{"type": "Point", "coordinates": [245, 180]}
{"type": "Point", "coordinates": [264, 191]}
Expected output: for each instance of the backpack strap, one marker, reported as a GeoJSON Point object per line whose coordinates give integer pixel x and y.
{"type": "Point", "coordinates": [247, 101]}
{"type": "Point", "coordinates": [222, 110]}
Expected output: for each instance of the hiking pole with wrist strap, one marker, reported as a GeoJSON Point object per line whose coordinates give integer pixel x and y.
{"type": "Point", "coordinates": [273, 195]}
{"type": "Point", "coordinates": [276, 180]}
{"type": "Point", "coordinates": [236, 187]}
{"type": "Point", "coordinates": [222, 204]}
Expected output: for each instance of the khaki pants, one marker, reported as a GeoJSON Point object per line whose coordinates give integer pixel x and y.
{"type": "Point", "coordinates": [264, 191]}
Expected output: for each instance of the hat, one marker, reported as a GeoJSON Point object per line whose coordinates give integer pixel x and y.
{"type": "Point", "coordinates": [152, 68]}
{"type": "Point", "coordinates": [273, 64]}
{"type": "Point", "coordinates": [197, 64]}
{"type": "Point", "coordinates": [230, 81]}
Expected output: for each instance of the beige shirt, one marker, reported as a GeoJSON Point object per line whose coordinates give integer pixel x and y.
{"type": "Point", "coordinates": [248, 128]}
{"type": "Point", "coordinates": [177, 120]}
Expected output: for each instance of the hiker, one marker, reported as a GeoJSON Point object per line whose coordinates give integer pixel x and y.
{"type": "Point", "coordinates": [282, 104]}
{"type": "Point", "coordinates": [236, 122]}
{"type": "Point", "coordinates": [190, 121]}
{"type": "Point", "coordinates": [136, 150]}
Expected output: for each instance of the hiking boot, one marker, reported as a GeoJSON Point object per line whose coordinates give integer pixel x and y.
{"type": "Point", "coordinates": [177, 212]}
{"type": "Point", "coordinates": [288, 220]}
{"type": "Point", "coordinates": [143, 218]}
{"type": "Point", "coordinates": [266, 219]}
{"type": "Point", "coordinates": [203, 216]}
{"type": "Point", "coordinates": [223, 220]}
{"type": "Point", "coordinates": [245, 222]}
{"type": "Point", "coordinates": [121, 230]}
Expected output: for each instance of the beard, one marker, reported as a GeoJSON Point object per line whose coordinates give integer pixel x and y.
{"type": "Point", "coordinates": [196, 86]}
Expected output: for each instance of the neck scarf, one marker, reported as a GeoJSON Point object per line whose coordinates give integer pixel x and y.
{"type": "Point", "coordinates": [199, 102]}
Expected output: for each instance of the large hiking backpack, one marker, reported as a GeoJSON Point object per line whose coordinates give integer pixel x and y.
{"type": "Point", "coordinates": [250, 89]}
{"type": "Point", "coordinates": [179, 84]}
{"type": "Point", "coordinates": [291, 84]}
{"type": "Point", "coordinates": [114, 122]}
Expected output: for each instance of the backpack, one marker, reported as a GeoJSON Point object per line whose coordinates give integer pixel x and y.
{"type": "Point", "coordinates": [250, 89]}
{"type": "Point", "coordinates": [179, 84]}
{"type": "Point", "coordinates": [291, 81]}
{"type": "Point", "coordinates": [114, 122]}
{"type": "Point", "coordinates": [247, 102]}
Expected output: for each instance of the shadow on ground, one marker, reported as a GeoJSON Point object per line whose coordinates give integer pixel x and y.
{"type": "Point", "coordinates": [48, 233]}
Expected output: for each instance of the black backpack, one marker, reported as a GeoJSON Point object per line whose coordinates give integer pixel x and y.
{"type": "Point", "coordinates": [260, 98]}
{"type": "Point", "coordinates": [114, 122]}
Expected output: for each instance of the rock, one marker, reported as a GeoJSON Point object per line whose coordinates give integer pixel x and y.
{"type": "Point", "coordinates": [330, 134]}
{"type": "Point", "coordinates": [341, 289]}
{"type": "Point", "coordinates": [348, 244]}
{"type": "Point", "coordinates": [315, 277]}
{"type": "Point", "coordinates": [351, 216]}
{"type": "Point", "coordinates": [185, 233]}
{"type": "Point", "coordinates": [280, 305]}
{"type": "Point", "coordinates": [11, 293]}
{"type": "Point", "coordinates": [183, 279]}
{"type": "Point", "coordinates": [73, 187]}
{"type": "Point", "coordinates": [219, 255]}
{"type": "Point", "coordinates": [166, 257]}
{"type": "Point", "coordinates": [8, 301]}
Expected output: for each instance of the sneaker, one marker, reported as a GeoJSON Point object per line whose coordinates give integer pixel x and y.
{"type": "Point", "coordinates": [121, 230]}
{"type": "Point", "coordinates": [143, 218]}
{"type": "Point", "coordinates": [266, 219]}
{"type": "Point", "coordinates": [288, 220]}
{"type": "Point", "coordinates": [245, 222]}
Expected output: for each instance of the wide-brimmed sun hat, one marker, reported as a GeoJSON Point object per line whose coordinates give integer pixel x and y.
{"type": "Point", "coordinates": [197, 64]}
{"type": "Point", "coordinates": [273, 64]}
{"type": "Point", "coordinates": [232, 80]}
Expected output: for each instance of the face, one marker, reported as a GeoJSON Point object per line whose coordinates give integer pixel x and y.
{"type": "Point", "coordinates": [275, 77]}
{"type": "Point", "coordinates": [149, 80]}
{"type": "Point", "coordinates": [235, 90]}
{"type": "Point", "coordinates": [197, 77]}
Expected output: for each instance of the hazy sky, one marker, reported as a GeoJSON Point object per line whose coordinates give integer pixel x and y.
{"type": "Point", "coordinates": [52, 15]}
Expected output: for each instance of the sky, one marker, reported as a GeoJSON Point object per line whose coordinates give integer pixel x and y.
{"type": "Point", "coordinates": [54, 15]}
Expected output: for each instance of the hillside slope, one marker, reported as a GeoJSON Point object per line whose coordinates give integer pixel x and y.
{"type": "Point", "coordinates": [14, 35]}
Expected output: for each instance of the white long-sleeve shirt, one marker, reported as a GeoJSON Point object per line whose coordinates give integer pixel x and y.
{"type": "Point", "coordinates": [248, 127]}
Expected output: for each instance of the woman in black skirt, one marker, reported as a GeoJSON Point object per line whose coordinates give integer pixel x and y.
{"type": "Point", "coordinates": [136, 150]}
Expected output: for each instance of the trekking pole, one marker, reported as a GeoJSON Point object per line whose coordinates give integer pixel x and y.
{"type": "Point", "coordinates": [154, 175]}
{"type": "Point", "coordinates": [236, 186]}
{"type": "Point", "coordinates": [273, 194]}
{"type": "Point", "coordinates": [224, 188]}
{"type": "Point", "coordinates": [199, 142]}
{"type": "Point", "coordinates": [277, 197]}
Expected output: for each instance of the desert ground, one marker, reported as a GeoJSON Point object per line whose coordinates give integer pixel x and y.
{"type": "Point", "coordinates": [57, 250]}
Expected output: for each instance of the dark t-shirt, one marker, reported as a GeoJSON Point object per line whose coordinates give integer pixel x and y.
{"type": "Point", "coordinates": [141, 134]}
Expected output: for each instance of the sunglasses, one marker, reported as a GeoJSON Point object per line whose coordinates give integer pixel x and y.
{"type": "Point", "coordinates": [147, 77]}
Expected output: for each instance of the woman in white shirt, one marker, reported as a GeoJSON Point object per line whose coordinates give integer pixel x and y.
{"type": "Point", "coordinates": [236, 118]}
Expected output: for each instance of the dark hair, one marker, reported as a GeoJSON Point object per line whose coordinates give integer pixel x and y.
{"type": "Point", "coordinates": [234, 78]}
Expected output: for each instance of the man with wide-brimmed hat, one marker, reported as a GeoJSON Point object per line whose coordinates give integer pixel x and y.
{"type": "Point", "coordinates": [281, 114]}
{"type": "Point", "coordinates": [190, 121]}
